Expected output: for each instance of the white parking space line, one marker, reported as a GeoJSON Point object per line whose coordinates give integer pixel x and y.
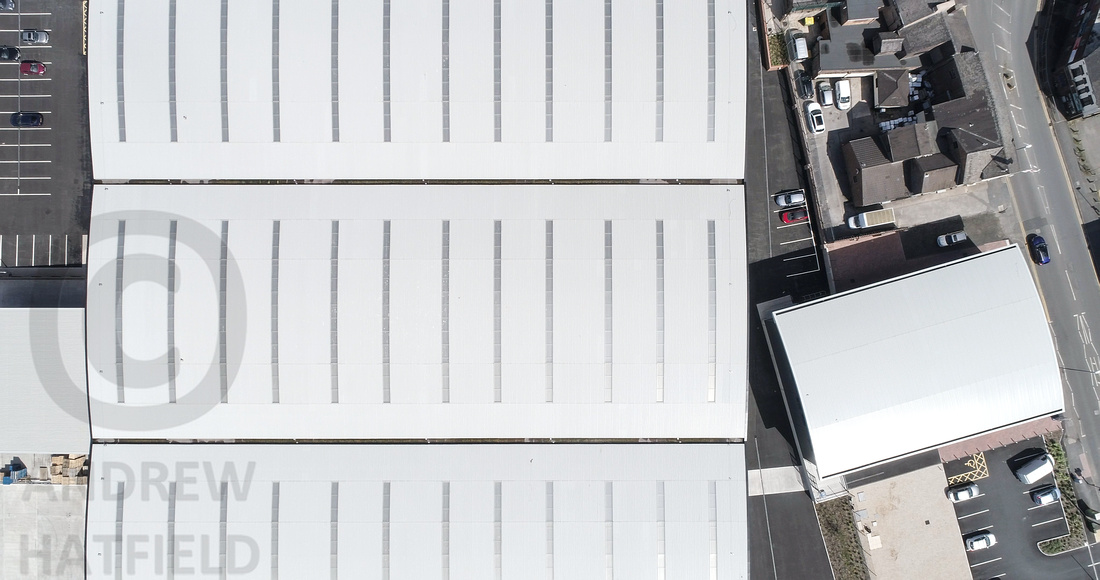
{"type": "Point", "coordinates": [984, 563]}
{"type": "Point", "coordinates": [3, 161]}
{"type": "Point", "coordinates": [814, 271]}
{"type": "Point", "coordinates": [23, 194]}
{"type": "Point", "coordinates": [23, 96]}
{"type": "Point", "coordinates": [10, 112]}
{"type": "Point", "coordinates": [973, 514]}
{"type": "Point", "coordinates": [1046, 522]}
{"type": "Point", "coordinates": [799, 257]}
{"type": "Point", "coordinates": [24, 128]}
{"type": "Point", "coordinates": [794, 225]}
{"type": "Point", "coordinates": [24, 144]}
{"type": "Point", "coordinates": [25, 13]}
{"type": "Point", "coordinates": [27, 79]}
{"type": "Point", "coordinates": [1039, 506]}
{"type": "Point", "coordinates": [795, 241]}
{"type": "Point", "coordinates": [39, 177]}
{"type": "Point", "coordinates": [22, 29]}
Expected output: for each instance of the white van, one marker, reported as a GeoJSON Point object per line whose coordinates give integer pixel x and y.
{"type": "Point", "coordinates": [1036, 469]}
{"type": "Point", "coordinates": [797, 49]}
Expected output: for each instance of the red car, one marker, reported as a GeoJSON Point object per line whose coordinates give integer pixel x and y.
{"type": "Point", "coordinates": [794, 216]}
{"type": "Point", "coordinates": [32, 67]}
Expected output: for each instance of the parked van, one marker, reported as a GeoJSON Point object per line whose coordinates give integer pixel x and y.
{"type": "Point", "coordinates": [797, 49]}
{"type": "Point", "coordinates": [1036, 469]}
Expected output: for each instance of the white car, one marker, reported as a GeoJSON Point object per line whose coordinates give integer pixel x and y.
{"type": "Point", "coordinates": [951, 239]}
{"type": "Point", "coordinates": [791, 198]}
{"type": "Point", "coordinates": [815, 119]}
{"type": "Point", "coordinates": [1046, 495]}
{"type": "Point", "coordinates": [963, 492]}
{"type": "Point", "coordinates": [980, 542]}
{"type": "Point", "coordinates": [843, 94]}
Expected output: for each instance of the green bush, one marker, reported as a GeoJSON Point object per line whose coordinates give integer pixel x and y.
{"type": "Point", "coordinates": [1076, 537]}
{"type": "Point", "coordinates": [777, 50]}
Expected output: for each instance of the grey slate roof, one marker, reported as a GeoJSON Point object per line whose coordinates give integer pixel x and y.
{"type": "Point", "coordinates": [930, 173]}
{"type": "Point", "coordinates": [912, 140]}
{"type": "Point", "coordinates": [873, 178]}
{"type": "Point", "coordinates": [892, 88]}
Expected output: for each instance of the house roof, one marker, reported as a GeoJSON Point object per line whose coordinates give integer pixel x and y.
{"type": "Point", "coordinates": [863, 9]}
{"type": "Point", "coordinates": [913, 10]}
{"type": "Point", "coordinates": [970, 120]}
{"type": "Point", "coordinates": [879, 180]}
{"type": "Point", "coordinates": [925, 34]}
{"type": "Point", "coordinates": [419, 511]}
{"type": "Point", "coordinates": [912, 141]}
{"type": "Point", "coordinates": [848, 48]}
{"type": "Point", "coordinates": [931, 173]}
{"type": "Point", "coordinates": [419, 312]}
{"type": "Point", "coordinates": [879, 372]}
{"type": "Point", "coordinates": [892, 88]}
{"type": "Point", "coordinates": [416, 93]}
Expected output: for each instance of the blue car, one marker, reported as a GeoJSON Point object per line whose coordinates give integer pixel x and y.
{"type": "Point", "coordinates": [1038, 248]}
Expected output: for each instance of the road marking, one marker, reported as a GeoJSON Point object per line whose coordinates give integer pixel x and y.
{"type": "Point", "coordinates": [980, 470]}
{"type": "Point", "coordinates": [795, 241]}
{"type": "Point", "coordinates": [22, 96]}
{"type": "Point", "coordinates": [24, 161]}
{"type": "Point", "coordinates": [26, 79]}
{"type": "Point", "coordinates": [1070, 282]}
{"type": "Point", "coordinates": [49, 252]}
{"type": "Point", "coordinates": [789, 226]}
{"type": "Point", "coordinates": [984, 563]}
{"type": "Point", "coordinates": [42, 177]}
{"type": "Point", "coordinates": [800, 257]}
{"type": "Point", "coordinates": [10, 112]}
{"type": "Point", "coordinates": [34, 239]}
{"type": "Point", "coordinates": [1054, 236]}
{"type": "Point", "coordinates": [973, 514]}
{"type": "Point", "coordinates": [24, 144]}
{"type": "Point", "coordinates": [767, 520]}
{"type": "Point", "coordinates": [1047, 522]}
{"type": "Point", "coordinates": [24, 128]}
{"type": "Point", "coordinates": [1046, 201]}
{"type": "Point", "coordinates": [23, 194]}
{"type": "Point", "coordinates": [1039, 506]}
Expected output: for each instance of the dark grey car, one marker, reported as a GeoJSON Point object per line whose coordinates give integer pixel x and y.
{"type": "Point", "coordinates": [9, 53]}
{"type": "Point", "coordinates": [26, 119]}
{"type": "Point", "coordinates": [7, 5]}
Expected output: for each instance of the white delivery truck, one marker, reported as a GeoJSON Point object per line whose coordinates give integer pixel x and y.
{"type": "Point", "coordinates": [797, 49]}
{"type": "Point", "coordinates": [870, 219]}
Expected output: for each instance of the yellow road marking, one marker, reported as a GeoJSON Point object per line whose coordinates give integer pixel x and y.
{"type": "Point", "coordinates": [979, 470]}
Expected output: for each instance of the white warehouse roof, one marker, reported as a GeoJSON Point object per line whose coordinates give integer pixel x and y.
{"type": "Point", "coordinates": [417, 312]}
{"type": "Point", "coordinates": [921, 360]}
{"type": "Point", "coordinates": [43, 383]}
{"type": "Point", "coordinates": [419, 511]}
{"type": "Point", "coordinates": [411, 89]}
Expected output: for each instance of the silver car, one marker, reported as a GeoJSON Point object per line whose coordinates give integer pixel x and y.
{"type": "Point", "coordinates": [35, 37]}
{"type": "Point", "coordinates": [791, 198]}
{"type": "Point", "coordinates": [951, 239]}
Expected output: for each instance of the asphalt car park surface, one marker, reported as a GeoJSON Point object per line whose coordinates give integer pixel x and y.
{"type": "Point", "coordinates": [45, 175]}
{"type": "Point", "coordinates": [1005, 508]}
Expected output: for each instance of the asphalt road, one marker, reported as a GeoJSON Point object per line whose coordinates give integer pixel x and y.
{"type": "Point", "coordinates": [784, 539]}
{"type": "Point", "coordinates": [1044, 199]}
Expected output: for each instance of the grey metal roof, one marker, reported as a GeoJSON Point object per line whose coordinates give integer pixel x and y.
{"type": "Point", "coordinates": [43, 381]}
{"type": "Point", "coordinates": [513, 512]}
{"type": "Point", "coordinates": [921, 360]}
{"type": "Point", "coordinates": [417, 312]}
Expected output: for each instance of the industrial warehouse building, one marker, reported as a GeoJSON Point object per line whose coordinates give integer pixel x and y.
{"type": "Point", "coordinates": [433, 367]}
{"type": "Point", "coordinates": [914, 363]}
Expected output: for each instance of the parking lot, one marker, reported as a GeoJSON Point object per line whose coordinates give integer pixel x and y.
{"type": "Point", "coordinates": [1005, 508]}
{"type": "Point", "coordinates": [45, 181]}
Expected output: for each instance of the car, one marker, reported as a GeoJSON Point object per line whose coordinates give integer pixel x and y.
{"type": "Point", "coordinates": [26, 119]}
{"type": "Point", "coordinates": [843, 90]}
{"type": "Point", "coordinates": [1046, 495]}
{"type": "Point", "coordinates": [7, 5]}
{"type": "Point", "coordinates": [1038, 248]}
{"type": "Point", "coordinates": [791, 198]}
{"type": "Point", "coordinates": [814, 118]}
{"type": "Point", "coordinates": [962, 492]}
{"type": "Point", "coordinates": [32, 67]}
{"type": "Point", "coordinates": [794, 216]}
{"type": "Point", "coordinates": [804, 85]}
{"type": "Point", "coordinates": [980, 541]}
{"type": "Point", "coordinates": [34, 36]}
{"type": "Point", "coordinates": [951, 239]}
{"type": "Point", "coordinates": [9, 53]}
{"type": "Point", "coordinates": [826, 92]}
